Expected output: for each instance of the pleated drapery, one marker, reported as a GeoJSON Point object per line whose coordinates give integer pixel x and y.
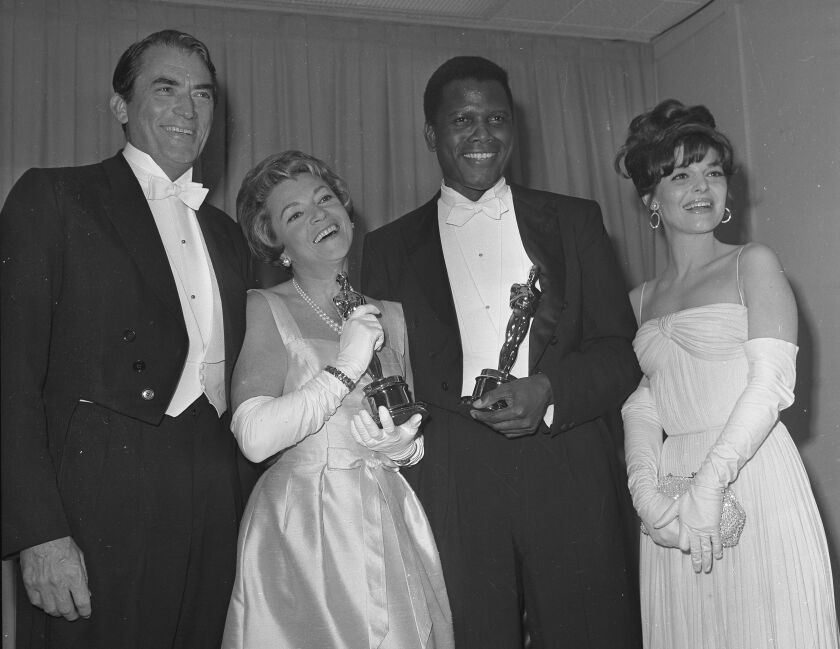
{"type": "Point", "coordinates": [348, 91]}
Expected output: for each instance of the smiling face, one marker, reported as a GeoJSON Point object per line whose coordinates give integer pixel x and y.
{"type": "Point", "coordinates": [310, 221]}
{"type": "Point", "coordinates": [472, 135]}
{"type": "Point", "coordinates": [692, 198]}
{"type": "Point", "coordinates": [171, 108]}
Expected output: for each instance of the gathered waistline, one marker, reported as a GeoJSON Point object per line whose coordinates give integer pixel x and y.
{"type": "Point", "coordinates": [705, 431]}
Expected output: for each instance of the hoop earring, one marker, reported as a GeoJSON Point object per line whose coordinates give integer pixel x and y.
{"type": "Point", "coordinates": [727, 215]}
{"type": "Point", "coordinates": [285, 262]}
{"type": "Point", "coordinates": [654, 212]}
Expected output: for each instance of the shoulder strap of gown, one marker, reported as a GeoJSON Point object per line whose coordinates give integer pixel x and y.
{"type": "Point", "coordinates": [738, 274]}
{"type": "Point", "coordinates": [642, 300]}
{"type": "Point", "coordinates": [393, 322]}
{"type": "Point", "coordinates": [286, 325]}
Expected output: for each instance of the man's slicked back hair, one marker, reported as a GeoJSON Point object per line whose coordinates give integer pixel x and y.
{"type": "Point", "coordinates": [128, 67]}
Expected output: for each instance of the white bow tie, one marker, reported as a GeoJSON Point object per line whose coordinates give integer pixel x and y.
{"type": "Point", "coordinates": [463, 211]}
{"type": "Point", "coordinates": [192, 194]}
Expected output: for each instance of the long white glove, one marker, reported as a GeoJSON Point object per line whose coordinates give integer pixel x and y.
{"type": "Point", "coordinates": [400, 443]}
{"type": "Point", "coordinates": [642, 449]}
{"type": "Point", "coordinates": [266, 425]}
{"type": "Point", "coordinates": [770, 382]}
{"type": "Point", "coordinates": [361, 335]}
{"type": "Point", "coordinates": [772, 375]}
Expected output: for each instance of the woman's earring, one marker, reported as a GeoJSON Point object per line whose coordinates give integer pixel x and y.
{"type": "Point", "coordinates": [727, 215]}
{"type": "Point", "coordinates": [655, 216]}
{"type": "Point", "coordinates": [285, 261]}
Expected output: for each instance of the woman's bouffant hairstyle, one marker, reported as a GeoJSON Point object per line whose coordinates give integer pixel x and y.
{"type": "Point", "coordinates": [658, 137]}
{"type": "Point", "coordinates": [251, 201]}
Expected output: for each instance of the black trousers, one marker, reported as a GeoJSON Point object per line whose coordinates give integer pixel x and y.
{"type": "Point", "coordinates": [531, 534]}
{"type": "Point", "coordinates": [155, 510]}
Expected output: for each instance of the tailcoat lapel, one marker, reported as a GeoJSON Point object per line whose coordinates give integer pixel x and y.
{"type": "Point", "coordinates": [541, 237]}
{"type": "Point", "coordinates": [128, 210]}
{"type": "Point", "coordinates": [228, 276]}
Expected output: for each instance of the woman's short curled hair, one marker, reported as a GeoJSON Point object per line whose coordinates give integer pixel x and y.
{"type": "Point", "coordinates": [670, 133]}
{"type": "Point", "coordinates": [251, 201]}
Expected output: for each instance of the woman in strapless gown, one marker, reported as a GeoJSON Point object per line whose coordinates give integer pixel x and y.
{"type": "Point", "coordinates": [717, 345]}
{"type": "Point", "coordinates": [334, 548]}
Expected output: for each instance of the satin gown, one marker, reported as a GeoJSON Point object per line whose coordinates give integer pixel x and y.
{"type": "Point", "coordinates": [334, 548]}
{"type": "Point", "coordinates": [774, 589]}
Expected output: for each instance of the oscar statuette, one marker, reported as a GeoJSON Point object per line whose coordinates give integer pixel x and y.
{"type": "Point", "coordinates": [524, 299]}
{"type": "Point", "coordinates": [390, 391]}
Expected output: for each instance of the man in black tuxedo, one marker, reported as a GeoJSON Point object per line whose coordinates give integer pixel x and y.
{"type": "Point", "coordinates": [123, 301]}
{"type": "Point", "coordinates": [525, 501]}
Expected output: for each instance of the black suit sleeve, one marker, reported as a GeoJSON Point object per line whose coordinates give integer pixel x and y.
{"type": "Point", "coordinates": [31, 241]}
{"type": "Point", "coordinates": [602, 371]}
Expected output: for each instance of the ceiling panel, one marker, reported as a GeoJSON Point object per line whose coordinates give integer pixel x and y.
{"type": "Point", "coordinates": [536, 10]}
{"type": "Point", "coordinates": [616, 14]}
{"type": "Point", "coordinates": [634, 20]}
{"type": "Point", "coordinates": [469, 8]}
{"type": "Point", "coordinates": [666, 15]}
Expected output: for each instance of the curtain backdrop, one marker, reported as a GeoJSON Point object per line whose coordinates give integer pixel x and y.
{"type": "Point", "coordinates": [347, 91]}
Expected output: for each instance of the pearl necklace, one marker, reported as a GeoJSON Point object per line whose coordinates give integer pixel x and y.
{"type": "Point", "coordinates": [332, 323]}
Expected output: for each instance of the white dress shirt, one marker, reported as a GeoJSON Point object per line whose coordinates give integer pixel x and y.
{"type": "Point", "coordinates": [484, 257]}
{"type": "Point", "coordinates": [198, 291]}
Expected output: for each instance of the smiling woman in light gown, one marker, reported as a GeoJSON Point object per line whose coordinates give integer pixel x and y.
{"type": "Point", "coordinates": [717, 345]}
{"type": "Point", "coordinates": [334, 549]}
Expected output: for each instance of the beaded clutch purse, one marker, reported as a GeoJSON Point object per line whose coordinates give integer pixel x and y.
{"type": "Point", "coordinates": [732, 518]}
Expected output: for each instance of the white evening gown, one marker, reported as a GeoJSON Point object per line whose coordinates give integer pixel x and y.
{"type": "Point", "coordinates": [335, 551]}
{"type": "Point", "coordinates": [774, 589]}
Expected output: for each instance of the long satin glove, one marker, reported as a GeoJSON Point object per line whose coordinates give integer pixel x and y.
{"type": "Point", "coordinates": [361, 335]}
{"type": "Point", "coordinates": [698, 510]}
{"type": "Point", "coordinates": [643, 447]}
{"type": "Point", "coordinates": [772, 375]}
{"type": "Point", "coordinates": [400, 443]}
{"type": "Point", "coordinates": [266, 425]}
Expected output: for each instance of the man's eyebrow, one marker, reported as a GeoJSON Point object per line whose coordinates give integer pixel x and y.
{"type": "Point", "coordinates": [167, 81]}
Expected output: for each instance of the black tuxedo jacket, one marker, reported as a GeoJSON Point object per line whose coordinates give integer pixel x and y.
{"type": "Point", "coordinates": [581, 335]}
{"type": "Point", "coordinates": [555, 502]}
{"type": "Point", "coordinates": [90, 312]}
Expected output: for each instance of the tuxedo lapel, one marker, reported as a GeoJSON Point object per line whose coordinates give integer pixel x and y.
{"type": "Point", "coordinates": [542, 241]}
{"type": "Point", "coordinates": [127, 208]}
{"type": "Point", "coordinates": [425, 253]}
